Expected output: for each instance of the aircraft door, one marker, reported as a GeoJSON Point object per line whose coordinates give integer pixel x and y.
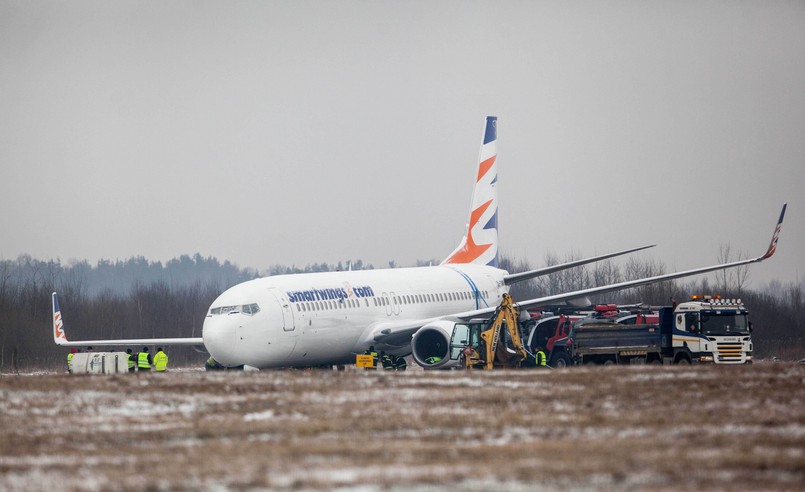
{"type": "Point", "coordinates": [285, 306]}
{"type": "Point", "coordinates": [395, 303]}
{"type": "Point", "coordinates": [384, 298]}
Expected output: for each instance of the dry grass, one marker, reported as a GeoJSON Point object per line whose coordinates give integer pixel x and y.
{"type": "Point", "coordinates": [635, 428]}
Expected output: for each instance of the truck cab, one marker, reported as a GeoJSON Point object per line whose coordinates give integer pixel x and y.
{"type": "Point", "coordinates": [549, 333]}
{"type": "Point", "coordinates": [712, 330]}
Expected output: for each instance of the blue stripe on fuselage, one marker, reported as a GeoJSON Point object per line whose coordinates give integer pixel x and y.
{"type": "Point", "coordinates": [475, 292]}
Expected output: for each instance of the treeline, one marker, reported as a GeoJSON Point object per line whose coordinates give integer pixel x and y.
{"type": "Point", "coordinates": [122, 299]}
{"type": "Point", "coordinates": [136, 298]}
{"type": "Point", "coordinates": [121, 276]}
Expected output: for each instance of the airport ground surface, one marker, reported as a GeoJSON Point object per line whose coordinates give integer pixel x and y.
{"type": "Point", "coordinates": [632, 428]}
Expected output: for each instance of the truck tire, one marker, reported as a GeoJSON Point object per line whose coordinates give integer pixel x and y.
{"type": "Point", "coordinates": [682, 361]}
{"type": "Point", "coordinates": [560, 359]}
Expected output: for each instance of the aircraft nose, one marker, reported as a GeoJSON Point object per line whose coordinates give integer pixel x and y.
{"type": "Point", "coordinates": [219, 339]}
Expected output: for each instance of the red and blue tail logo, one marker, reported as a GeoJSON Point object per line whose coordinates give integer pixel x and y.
{"type": "Point", "coordinates": [480, 244]}
{"type": "Point", "coordinates": [58, 324]}
{"type": "Point", "coordinates": [776, 236]}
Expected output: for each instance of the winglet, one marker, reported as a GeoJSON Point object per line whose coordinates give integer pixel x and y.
{"type": "Point", "coordinates": [58, 325]}
{"type": "Point", "coordinates": [775, 236]}
{"type": "Point", "coordinates": [480, 243]}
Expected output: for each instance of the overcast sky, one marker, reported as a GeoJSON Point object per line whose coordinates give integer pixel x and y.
{"type": "Point", "coordinates": [297, 132]}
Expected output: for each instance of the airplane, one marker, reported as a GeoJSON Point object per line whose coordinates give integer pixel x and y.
{"type": "Point", "coordinates": [326, 318]}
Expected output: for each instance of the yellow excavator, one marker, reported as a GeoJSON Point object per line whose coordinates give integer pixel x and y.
{"type": "Point", "coordinates": [492, 351]}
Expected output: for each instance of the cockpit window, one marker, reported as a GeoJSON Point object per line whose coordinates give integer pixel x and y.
{"type": "Point", "coordinates": [249, 309]}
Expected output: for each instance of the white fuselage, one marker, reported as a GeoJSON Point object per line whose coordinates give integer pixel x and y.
{"type": "Point", "coordinates": [326, 318]}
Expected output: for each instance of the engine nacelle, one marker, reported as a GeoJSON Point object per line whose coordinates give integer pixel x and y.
{"type": "Point", "coordinates": [431, 348]}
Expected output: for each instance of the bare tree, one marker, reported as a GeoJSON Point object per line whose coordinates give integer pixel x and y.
{"type": "Point", "coordinates": [732, 280]}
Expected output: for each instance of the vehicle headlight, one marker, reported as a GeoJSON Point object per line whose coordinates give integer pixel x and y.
{"type": "Point", "coordinates": [706, 358]}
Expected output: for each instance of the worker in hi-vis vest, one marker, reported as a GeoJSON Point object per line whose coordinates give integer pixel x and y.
{"type": "Point", "coordinates": [541, 360]}
{"type": "Point", "coordinates": [70, 360]}
{"type": "Point", "coordinates": [130, 361]}
{"type": "Point", "coordinates": [160, 360]}
{"type": "Point", "coordinates": [144, 360]}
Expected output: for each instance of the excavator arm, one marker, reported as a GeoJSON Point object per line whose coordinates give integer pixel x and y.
{"type": "Point", "coordinates": [494, 350]}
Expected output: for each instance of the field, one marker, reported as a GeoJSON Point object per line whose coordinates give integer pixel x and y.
{"type": "Point", "coordinates": [627, 427]}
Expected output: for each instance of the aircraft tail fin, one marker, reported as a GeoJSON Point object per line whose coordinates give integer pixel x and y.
{"type": "Point", "coordinates": [58, 325]}
{"type": "Point", "coordinates": [480, 243]}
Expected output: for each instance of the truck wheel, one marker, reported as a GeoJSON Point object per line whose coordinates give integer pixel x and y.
{"type": "Point", "coordinates": [560, 360]}
{"type": "Point", "coordinates": [609, 362]}
{"type": "Point", "coordinates": [683, 361]}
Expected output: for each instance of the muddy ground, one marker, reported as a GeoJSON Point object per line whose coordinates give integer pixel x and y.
{"type": "Point", "coordinates": [628, 428]}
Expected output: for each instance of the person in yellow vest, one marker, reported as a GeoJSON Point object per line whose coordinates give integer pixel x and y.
{"type": "Point", "coordinates": [371, 351]}
{"type": "Point", "coordinates": [144, 360]}
{"type": "Point", "coordinates": [160, 360]}
{"type": "Point", "coordinates": [70, 360]}
{"type": "Point", "coordinates": [541, 360]}
{"type": "Point", "coordinates": [130, 361]}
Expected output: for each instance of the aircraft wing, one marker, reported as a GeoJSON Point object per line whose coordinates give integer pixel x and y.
{"type": "Point", "coordinates": [519, 277]}
{"type": "Point", "coordinates": [60, 337]}
{"type": "Point", "coordinates": [542, 301]}
{"type": "Point", "coordinates": [401, 333]}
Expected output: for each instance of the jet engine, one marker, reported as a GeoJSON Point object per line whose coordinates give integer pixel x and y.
{"type": "Point", "coordinates": [431, 348]}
